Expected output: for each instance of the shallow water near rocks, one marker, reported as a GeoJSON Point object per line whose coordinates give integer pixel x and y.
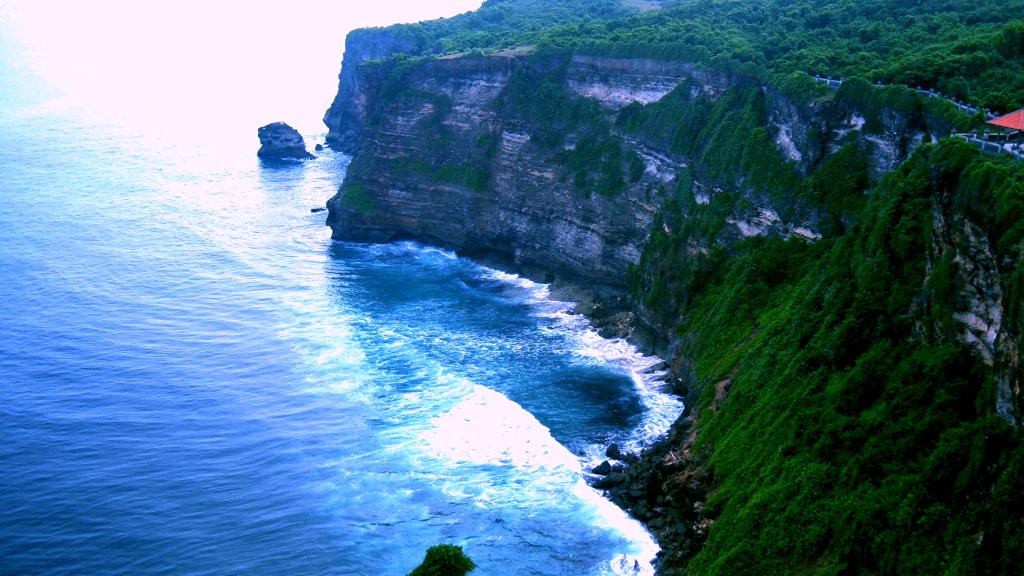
{"type": "Point", "coordinates": [197, 380]}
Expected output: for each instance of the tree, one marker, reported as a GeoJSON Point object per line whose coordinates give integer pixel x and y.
{"type": "Point", "coordinates": [444, 560]}
{"type": "Point", "coordinates": [1010, 41]}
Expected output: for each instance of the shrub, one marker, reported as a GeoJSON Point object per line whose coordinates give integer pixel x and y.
{"type": "Point", "coordinates": [444, 560]}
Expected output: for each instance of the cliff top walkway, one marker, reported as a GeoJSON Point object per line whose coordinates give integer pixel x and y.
{"type": "Point", "coordinates": [1001, 143]}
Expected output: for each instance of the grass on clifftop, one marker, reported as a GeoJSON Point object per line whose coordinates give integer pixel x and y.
{"type": "Point", "coordinates": [973, 51]}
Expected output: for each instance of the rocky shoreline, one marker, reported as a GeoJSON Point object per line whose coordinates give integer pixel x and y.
{"type": "Point", "coordinates": [666, 485]}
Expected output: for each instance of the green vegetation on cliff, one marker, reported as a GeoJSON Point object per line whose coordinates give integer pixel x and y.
{"type": "Point", "coordinates": [855, 436]}
{"type": "Point", "coordinates": [971, 51]}
{"type": "Point", "coordinates": [496, 24]}
{"type": "Point", "coordinates": [354, 196]}
{"type": "Point", "coordinates": [595, 161]}
{"type": "Point", "coordinates": [966, 50]}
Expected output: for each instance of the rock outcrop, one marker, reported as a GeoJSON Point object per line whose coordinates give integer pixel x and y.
{"type": "Point", "coordinates": [280, 141]}
{"type": "Point", "coordinates": [980, 308]}
{"type": "Point", "coordinates": [347, 114]}
{"type": "Point", "coordinates": [445, 164]}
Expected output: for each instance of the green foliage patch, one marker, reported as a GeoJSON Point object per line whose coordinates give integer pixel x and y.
{"type": "Point", "coordinates": [470, 175]}
{"type": "Point", "coordinates": [972, 51]}
{"type": "Point", "coordinates": [536, 95]}
{"type": "Point", "coordinates": [355, 197]}
{"type": "Point", "coordinates": [444, 560]}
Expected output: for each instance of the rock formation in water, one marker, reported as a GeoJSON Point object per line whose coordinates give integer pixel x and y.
{"type": "Point", "coordinates": [280, 141]}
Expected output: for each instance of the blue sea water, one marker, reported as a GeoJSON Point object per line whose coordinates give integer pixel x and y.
{"type": "Point", "coordinates": [196, 379]}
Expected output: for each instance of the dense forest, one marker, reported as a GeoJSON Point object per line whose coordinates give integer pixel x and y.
{"type": "Point", "coordinates": [969, 51]}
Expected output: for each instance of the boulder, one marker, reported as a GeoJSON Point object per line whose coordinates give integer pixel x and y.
{"type": "Point", "coordinates": [615, 478]}
{"type": "Point", "coordinates": [613, 452]}
{"type": "Point", "coordinates": [279, 141]}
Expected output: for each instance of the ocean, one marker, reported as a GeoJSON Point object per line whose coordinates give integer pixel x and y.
{"type": "Point", "coordinates": [197, 380]}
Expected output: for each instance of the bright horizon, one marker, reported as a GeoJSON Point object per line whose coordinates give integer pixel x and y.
{"type": "Point", "coordinates": [172, 66]}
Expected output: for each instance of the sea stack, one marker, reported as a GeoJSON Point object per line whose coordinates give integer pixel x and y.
{"type": "Point", "coordinates": [279, 141]}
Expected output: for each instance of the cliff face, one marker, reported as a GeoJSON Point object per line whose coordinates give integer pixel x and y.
{"type": "Point", "coordinates": [702, 194]}
{"type": "Point", "coordinates": [444, 163]}
{"type": "Point", "coordinates": [980, 307]}
{"type": "Point", "coordinates": [441, 156]}
{"type": "Point", "coordinates": [347, 114]}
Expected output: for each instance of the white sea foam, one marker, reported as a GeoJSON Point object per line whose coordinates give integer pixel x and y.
{"type": "Point", "coordinates": [488, 429]}
{"type": "Point", "coordinates": [638, 561]}
{"type": "Point", "coordinates": [661, 408]}
{"type": "Point", "coordinates": [408, 247]}
{"type": "Point", "coordinates": [533, 292]}
{"type": "Point", "coordinates": [479, 431]}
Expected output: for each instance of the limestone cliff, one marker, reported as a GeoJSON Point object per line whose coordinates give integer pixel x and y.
{"type": "Point", "coordinates": [443, 161]}
{"type": "Point", "coordinates": [440, 154]}
{"type": "Point", "coordinates": [474, 153]}
{"type": "Point", "coordinates": [347, 114]}
{"type": "Point", "coordinates": [980, 307]}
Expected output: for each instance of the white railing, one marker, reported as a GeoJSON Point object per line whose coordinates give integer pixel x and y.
{"type": "Point", "coordinates": [994, 148]}
{"type": "Point", "coordinates": [988, 147]}
{"type": "Point", "coordinates": [834, 84]}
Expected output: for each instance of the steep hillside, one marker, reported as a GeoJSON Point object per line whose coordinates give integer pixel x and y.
{"type": "Point", "coordinates": [861, 394]}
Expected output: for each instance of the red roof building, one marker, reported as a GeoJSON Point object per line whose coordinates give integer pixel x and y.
{"type": "Point", "coordinates": [1013, 120]}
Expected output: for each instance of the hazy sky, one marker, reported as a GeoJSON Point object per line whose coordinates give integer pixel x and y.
{"type": "Point", "coordinates": [237, 62]}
